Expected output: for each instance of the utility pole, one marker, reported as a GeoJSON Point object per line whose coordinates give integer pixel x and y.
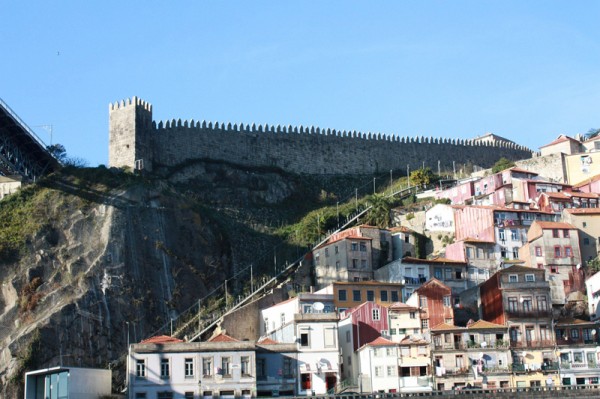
{"type": "Point", "coordinates": [374, 185]}
{"type": "Point", "coordinates": [408, 174]}
{"type": "Point", "coordinates": [356, 197]}
{"type": "Point", "coordinates": [391, 181]}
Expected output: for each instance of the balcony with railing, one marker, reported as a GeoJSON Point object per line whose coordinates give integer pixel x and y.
{"type": "Point", "coordinates": [475, 345]}
{"type": "Point", "coordinates": [570, 341]}
{"type": "Point", "coordinates": [590, 365]}
{"type": "Point", "coordinates": [532, 344]}
{"type": "Point", "coordinates": [528, 313]}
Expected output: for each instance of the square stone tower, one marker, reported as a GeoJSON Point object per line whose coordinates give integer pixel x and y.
{"type": "Point", "coordinates": [130, 135]}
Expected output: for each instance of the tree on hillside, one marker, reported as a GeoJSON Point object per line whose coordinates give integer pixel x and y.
{"type": "Point", "coordinates": [591, 134]}
{"type": "Point", "coordinates": [58, 151]}
{"type": "Point", "coordinates": [594, 265]}
{"type": "Point", "coordinates": [421, 177]}
{"type": "Point", "coordinates": [502, 164]}
{"type": "Point", "coordinates": [379, 214]}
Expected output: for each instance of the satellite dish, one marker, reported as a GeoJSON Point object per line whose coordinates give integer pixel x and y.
{"type": "Point", "coordinates": [578, 266]}
{"type": "Point", "coordinates": [318, 306]}
{"type": "Point", "coordinates": [483, 345]}
{"type": "Point", "coordinates": [480, 355]}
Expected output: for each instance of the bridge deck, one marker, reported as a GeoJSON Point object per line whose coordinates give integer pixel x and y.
{"type": "Point", "coordinates": [21, 151]}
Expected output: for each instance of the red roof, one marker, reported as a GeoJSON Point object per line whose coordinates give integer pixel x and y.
{"type": "Point", "coordinates": [409, 259]}
{"type": "Point", "coordinates": [401, 306]}
{"type": "Point", "coordinates": [520, 170]}
{"type": "Point", "coordinates": [580, 211]}
{"type": "Point", "coordinates": [161, 339]}
{"type": "Point", "coordinates": [380, 341]}
{"type": "Point", "coordinates": [561, 139]}
{"type": "Point", "coordinates": [554, 225]}
{"type": "Point", "coordinates": [587, 181]}
{"type": "Point", "coordinates": [223, 338]}
{"type": "Point", "coordinates": [267, 341]}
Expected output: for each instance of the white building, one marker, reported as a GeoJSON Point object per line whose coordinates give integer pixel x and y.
{"type": "Point", "coordinates": [67, 382]}
{"type": "Point", "coordinates": [440, 218]}
{"type": "Point", "coordinates": [309, 321]}
{"type": "Point", "coordinates": [167, 368]}
{"type": "Point", "coordinates": [378, 366]}
{"type": "Point", "coordinates": [592, 286]}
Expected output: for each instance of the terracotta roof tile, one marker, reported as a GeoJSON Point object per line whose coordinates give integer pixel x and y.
{"type": "Point", "coordinates": [560, 139]}
{"type": "Point", "coordinates": [572, 321]}
{"type": "Point", "coordinates": [587, 181]}
{"type": "Point", "coordinates": [409, 259]}
{"type": "Point", "coordinates": [521, 170]}
{"type": "Point", "coordinates": [555, 225]}
{"type": "Point", "coordinates": [482, 324]}
{"type": "Point", "coordinates": [445, 327]}
{"type": "Point", "coordinates": [223, 338]}
{"type": "Point", "coordinates": [161, 339]}
{"type": "Point", "coordinates": [401, 306]}
{"type": "Point", "coordinates": [580, 211]}
{"type": "Point", "coordinates": [267, 341]}
{"type": "Point", "coordinates": [380, 341]}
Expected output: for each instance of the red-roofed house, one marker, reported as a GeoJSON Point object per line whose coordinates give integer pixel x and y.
{"type": "Point", "coordinates": [352, 255]}
{"type": "Point", "coordinates": [161, 339]}
{"type": "Point", "coordinates": [554, 247]}
{"type": "Point", "coordinates": [562, 144]}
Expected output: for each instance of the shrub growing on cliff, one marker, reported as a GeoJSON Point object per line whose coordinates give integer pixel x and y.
{"type": "Point", "coordinates": [502, 164]}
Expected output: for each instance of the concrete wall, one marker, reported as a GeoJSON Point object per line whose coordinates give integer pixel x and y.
{"type": "Point", "coordinates": [299, 150]}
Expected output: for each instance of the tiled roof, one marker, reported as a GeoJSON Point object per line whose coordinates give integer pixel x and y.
{"type": "Point", "coordinates": [572, 321]}
{"type": "Point", "coordinates": [578, 211]}
{"type": "Point", "coordinates": [401, 229]}
{"type": "Point", "coordinates": [161, 339]}
{"type": "Point", "coordinates": [409, 259]}
{"type": "Point", "coordinates": [380, 341]}
{"type": "Point", "coordinates": [267, 341]}
{"type": "Point", "coordinates": [520, 170]}
{"type": "Point", "coordinates": [223, 338]}
{"type": "Point", "coordinates": [477, 240]}
{"type": "Point", "coordinates": [554, 225]}
{"type": "Point", "coordinates": [401, 306]}
{"type": "Point", "coordinates": [559, 195]}
{"type": "Point", "coordinates": [445, 327]}
{"type": "Point", "coordinates": [482, 324]}
{"type": "Point", "coordinates": [587, 181]}
{"type": "Point", "coordinates": [583, 195]}
{"type": "Point", "coordinates": [560, 139]}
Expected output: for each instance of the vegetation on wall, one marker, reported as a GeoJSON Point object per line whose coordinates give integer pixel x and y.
{"type": "Point", "coordinates": [502, 164]}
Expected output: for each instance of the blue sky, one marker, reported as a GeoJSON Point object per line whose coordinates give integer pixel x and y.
{"type": "Point", "coordinates": [525, 70]}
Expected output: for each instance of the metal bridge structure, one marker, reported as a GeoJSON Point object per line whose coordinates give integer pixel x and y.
{"type": "Point", "coordinates": [22, 152]}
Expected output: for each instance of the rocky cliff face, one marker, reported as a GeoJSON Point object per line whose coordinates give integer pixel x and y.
{"type": "Point", "coordinates": [112, 262]}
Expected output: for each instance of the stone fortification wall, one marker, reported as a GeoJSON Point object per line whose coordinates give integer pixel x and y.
{"type": "Point", "coordinates": [299, 150]}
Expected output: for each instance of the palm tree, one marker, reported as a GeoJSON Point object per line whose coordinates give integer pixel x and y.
{"type": "Point", "coordinates": [379, 214]}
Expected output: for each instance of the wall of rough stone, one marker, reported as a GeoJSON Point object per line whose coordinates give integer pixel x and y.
{"type": "Point", "coordinates": [300, 150]}
{"type": "Point", "coordinates": [549, 166]}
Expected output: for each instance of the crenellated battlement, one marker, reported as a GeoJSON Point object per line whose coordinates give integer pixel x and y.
{"type": "Point", "coordinates": [296, 149]}
{"type": "Point", "coordinates": [128, 102]}
{"type": "Point", "coordinates": [312, 130]}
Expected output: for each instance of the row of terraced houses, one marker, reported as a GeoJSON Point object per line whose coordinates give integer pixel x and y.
{"type": "Point", "coordinates": [507, 298]}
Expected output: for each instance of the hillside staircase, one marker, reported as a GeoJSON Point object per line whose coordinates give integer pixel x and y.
{"type": "Point", "coordinates": [195, 323]}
